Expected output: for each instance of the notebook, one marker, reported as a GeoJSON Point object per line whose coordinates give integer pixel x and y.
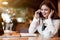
{"type": "Point", "coordinates": [27, 34]}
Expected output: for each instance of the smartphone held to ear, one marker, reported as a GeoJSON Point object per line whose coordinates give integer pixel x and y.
{"type": "Point", "coordinates": [40, 14]}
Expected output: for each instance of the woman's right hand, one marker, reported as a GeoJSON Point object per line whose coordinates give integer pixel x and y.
{"type": "Point", "coordinates": [37, 14]}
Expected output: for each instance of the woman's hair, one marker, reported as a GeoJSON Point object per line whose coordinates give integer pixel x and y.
{"type": "Point", "coordinates": [51, 6]}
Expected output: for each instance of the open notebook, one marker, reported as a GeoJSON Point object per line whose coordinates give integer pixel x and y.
{"type": "Point", "coordinates": [27, 34]}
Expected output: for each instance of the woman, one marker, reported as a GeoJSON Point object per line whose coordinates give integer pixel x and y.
{"type": "Point", "coordinates": [45, 20]}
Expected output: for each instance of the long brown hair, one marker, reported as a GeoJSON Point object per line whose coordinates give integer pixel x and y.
{"type": "Point", "coordinates": [51, 6]}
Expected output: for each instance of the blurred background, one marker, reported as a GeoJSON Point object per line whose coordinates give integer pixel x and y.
{"type": "Point", "coordinates": [23, 12]}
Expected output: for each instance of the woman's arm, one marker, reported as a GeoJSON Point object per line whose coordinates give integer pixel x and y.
{"type": "Point", "coordinates": [52, 27]}
{"type": "Point", "coordinates": [35, 22]}
{"type": "Point", "coordinates": [33, 25]}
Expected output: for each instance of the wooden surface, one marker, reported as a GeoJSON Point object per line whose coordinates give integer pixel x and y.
{"type": "Point", "coordinates": [16, 36]}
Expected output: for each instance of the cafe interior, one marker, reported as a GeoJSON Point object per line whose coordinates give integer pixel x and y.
{"type": "Point", "coordinates": [20, 14]}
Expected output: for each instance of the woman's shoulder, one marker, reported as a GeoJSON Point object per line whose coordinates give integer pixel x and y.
{"type": "Point", "coordinates": [56, 20]}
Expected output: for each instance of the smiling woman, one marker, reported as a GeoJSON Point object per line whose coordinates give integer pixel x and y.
{"type": "Point", "coordinates": [47, 25]}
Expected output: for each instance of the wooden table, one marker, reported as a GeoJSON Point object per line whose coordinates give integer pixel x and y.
{"type": "Point", "coordinates": [16, 36]}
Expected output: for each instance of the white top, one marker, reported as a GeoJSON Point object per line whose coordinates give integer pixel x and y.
{"type": "Point", "coordinates": [50, 30]}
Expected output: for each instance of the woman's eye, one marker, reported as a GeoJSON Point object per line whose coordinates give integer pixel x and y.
{"type": "Point", "coordinates": [41, 9]}
{"type": "Point", "coordinates": [45, 9]}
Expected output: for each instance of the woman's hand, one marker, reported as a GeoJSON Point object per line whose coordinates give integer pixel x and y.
{"type": "Point", "coordinates": [37, 14]}
{"type": "Point", "coordinates": [51, 13]}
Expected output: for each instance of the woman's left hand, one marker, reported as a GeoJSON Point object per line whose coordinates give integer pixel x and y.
{"type": "Point", "coordinates": [51, 13]}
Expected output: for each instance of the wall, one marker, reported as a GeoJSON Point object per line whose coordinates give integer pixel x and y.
{"type": "Point", "coordinates": [59, 8]}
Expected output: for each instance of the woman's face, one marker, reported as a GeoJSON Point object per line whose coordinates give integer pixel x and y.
{"type": "Point", "coordinates": [45, 10]}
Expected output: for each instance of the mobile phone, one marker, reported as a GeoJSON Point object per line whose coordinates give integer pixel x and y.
{"type": "Point", "coordinates": [40, 14]}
